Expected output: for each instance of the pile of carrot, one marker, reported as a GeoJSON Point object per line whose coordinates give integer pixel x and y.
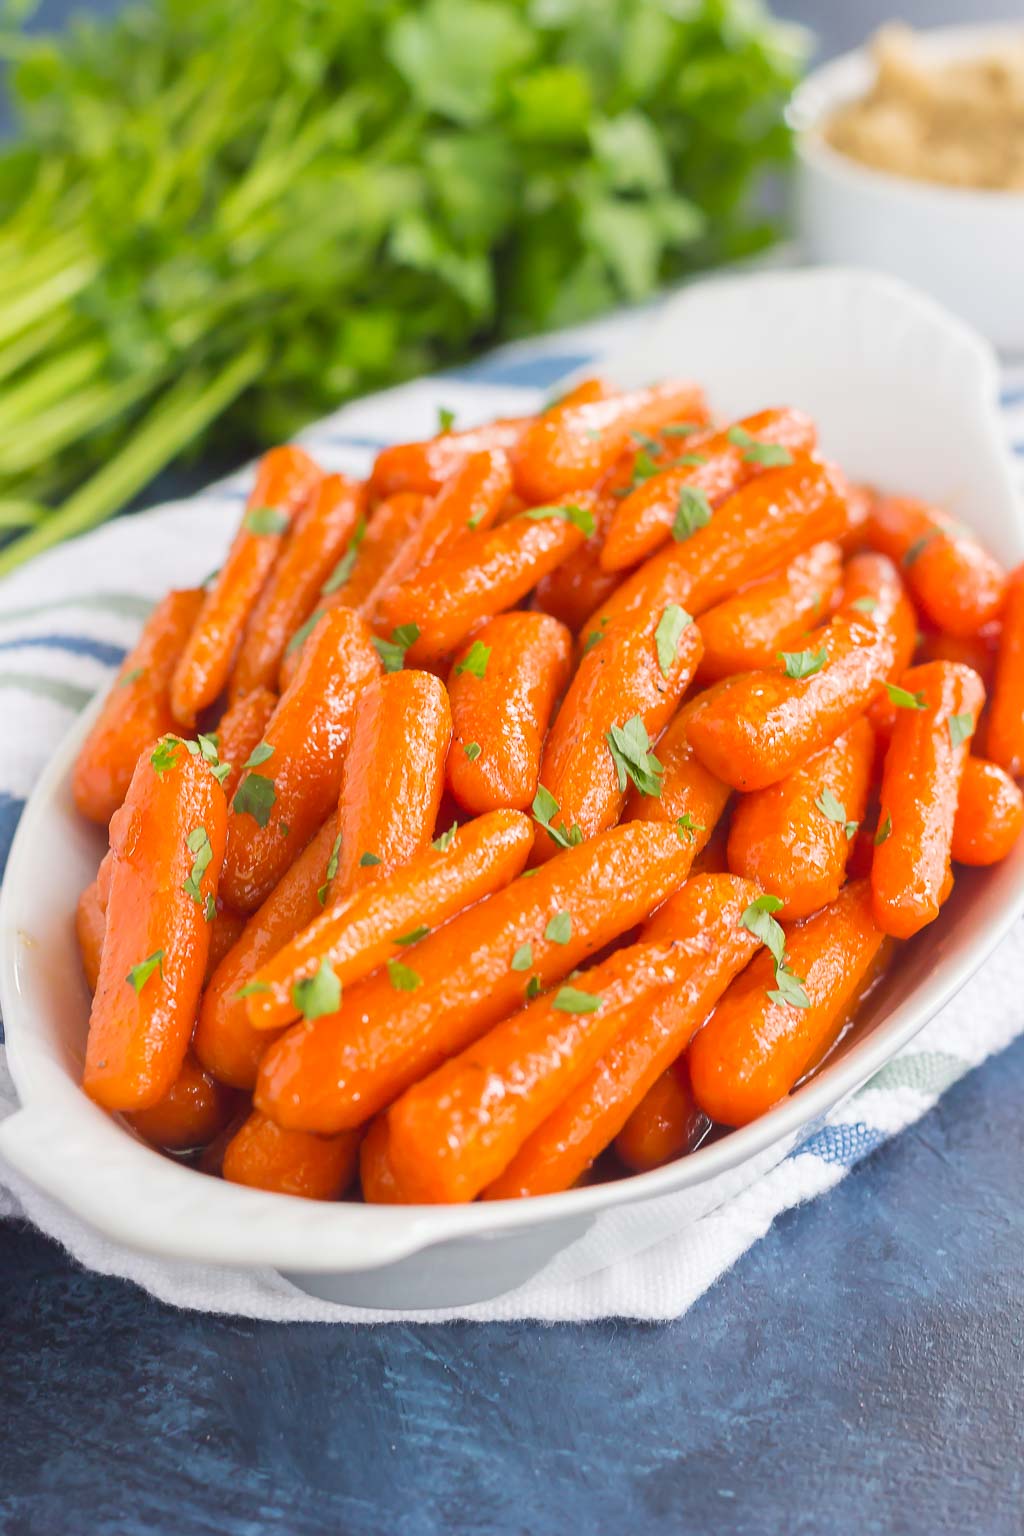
{"type": "Point", "coordinates": [554, 795]}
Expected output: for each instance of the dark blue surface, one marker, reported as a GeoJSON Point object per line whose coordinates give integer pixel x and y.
{"type": "Point", "coordinates": [858, 1371]}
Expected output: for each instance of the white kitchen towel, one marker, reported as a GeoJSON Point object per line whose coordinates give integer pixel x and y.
{"type": "Point", "coordinates": [66, 621]}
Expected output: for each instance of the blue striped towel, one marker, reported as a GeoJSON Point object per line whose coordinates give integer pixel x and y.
{"type": "Point", "coordinates": [65, 623]}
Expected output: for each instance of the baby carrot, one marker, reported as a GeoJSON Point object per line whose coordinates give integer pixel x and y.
{"type": "Point", "coordinates": [453, 1133]}
{"type": "Point", "coordinates": [485, 573]}
{"type": "Point", "coordinates": [402, 1022]}
{"type": "Point", "coordinates": [470, 500]}
{"type": "Point", "coordinates": [503, 688]}
{"type": "Point", "coordinates": [760, 727]}
{"type": "Point", "coordinates": [975, 651]}
{"type": "Point", "coordinates": [989, 814]}
{"type": "Point", "coordinates": [794, 838]}
{"type": "Point", "coordinates": [90, 927]}
{"type": "Point", "coordinates": [666, 1124]}
{"type": "Point", "coordinates": [375, 1171]}
{"type": "Point", "coordinates": [224, 1040]}
{"type": "Point", "coordinates": [191, 1112]}
{"type": "Point", "coordinates": [957, 583]}
{"type": "Point", "coordinates": [263, 1156]}
{"type": "Point", "coordinates": [393, 775]}
{"type": "Point", "coordinates": [720, 465]}
{"type": "Point", "coordinates": [623, 693]}
{"type": "Point", "coordinates": [323, 529]}
{"type": "Point", "coordinates": [746, 632]}
{"type": "Point", "coordinates": [239, 731]}
{"type": "Point", "coordinates": [920, 784]}
{"type": "Point", "coordinates": [704, 920]}
{"type": "Point", "coordinates": [757, 1044]}
{"type": "Point", "coordinates": [691, 798]}
{"type": "Point", "coordinates": [1004, 741]}
{"type": "Point", "coordinates": [571, 446]}
{"type": "Point", "coordinates": [364, 928]}
{"type": "Point", "coordinates": [294, 776]}
{"type": "Point", "coordinates": [426, 467]}
{"type": "Point", "coordinates": [285, 480]}
{"type": "Point", "coordinates": [579, 584]}
{"type": "Point", "coordinates": [137, 709]}
{"type": "Point", "coordinates": [873, 589]}
{"type": "Point", "coordinates": [225, 931]}
{"type": "Point", "coordinates": [168, 846]}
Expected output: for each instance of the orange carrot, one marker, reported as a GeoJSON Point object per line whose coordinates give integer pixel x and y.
{"type": "Point", "coordinates": [322, 532]}
{"type": "Point", "coordinates": [137, 709]}
{"type": "Point", "coordinates": [485, 573]}
{"type": "Point", "coordinates": [579, 584]}
{"type": "Point", "coordinates": [168, 845]}
{"type": "Point", "coordinates": [572, 445]}
{"type": "Point", "coordinates": [503, 689]}
{"type": "Point", "coordinates": [691, 798]}
{"type": "Point", "coordinates": [225, 931]}
{"type": "Point", "coordinates": [794, 838]}
{"type": "Point", "coordinates": [703, 919]}
{"type": "Point", "coordinates": [756, 1046]}
{"type": "Point", "coordinates": [704, 479]}
{"type": "Point", "coordinates": [746, 632]}
{"type": "Point", "coordinates": [957, 583]}
{"type": "Point", "coordinates": [989, 814]}
{"type": "Point", "coordinates": [285, 480]}
{"type": "Point", "coordinates": [239, 731]}
{"type": "Point", "coordinates": [90, 928]}
{"type": "Point", "coordinates": [224, 1041]}
{"type": "Point", "coordinates": [920, 785]}
{"type": "Point", "coordinates": [375, 1172]}
{"type": "Point", "coordinates": [428, 466]}
{"type": "Point", "coordinates": [191, 1112]}
{"type": "Point", "coordinates": [365, 927]}
{"type": "Point", "coordinates": [337, 1071]}
{"type": "Point", "coordinates": [873, 589]}
{"type": "Point", "coordinates": [666, 1124]}
{"type": "Point", "coordinates": [975, 651]}
{"type": "Point", "coordinates": [1004, 741]}
{"type": "Point", "coordinates": [294, 775]}
{"type": "Point", "coordinates": [263, 1156]}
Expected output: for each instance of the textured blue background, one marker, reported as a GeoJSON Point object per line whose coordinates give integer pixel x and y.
{"type": "Point", "coordinates": [858, 1371]}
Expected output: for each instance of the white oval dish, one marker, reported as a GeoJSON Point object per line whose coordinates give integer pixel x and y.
{"type": "Point", "coordinates": [904, 395]}
{"type": "Point", "coordinates": [964, 246]}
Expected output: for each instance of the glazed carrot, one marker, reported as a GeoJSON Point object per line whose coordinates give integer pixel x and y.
{"type": "Point", "coordinates": [322, 532]}
{"type": "Point", "coordinates": [746, 632]}
{"type": "Point", "coordinates": [285, 480]}
{"type": "Point", "coordinates": [978, 651]}
{"type": "Point", "coordinates": [571, 446]}
{"type": "Point", "coordinates": [794, 838]}
{"type": "Point", "coordinates": [704, 921]}
{"type": "Point", "coordinates": [666, 1124]}
{"type": "Point", "coordinates": [428, 466]}
{"type": "Point", "coordinates": [295, 773]}
{"type": "Point", "coordinates": [957, 583]}
{"type": "Point", "coordinates": [761, 727]}
{"type": "Point", "coordinates": [503, 688]}
{"type": "Point", "coordinates": [240, 730]}
{"type": "Point", "coordinates": [90, 928]}
{"type": "Point", "coordinates": [920, 785]}
{"type": "Point", "coordinates": [103, 875]}
{"type": "Point", "coordinates": [470, 500]}
{"type": "Point", "coordinates": [365, 927]}
{"type": "Point", "coordinates": [873, 589]}
{"type": "Point", "coordinates": [1004, 740]}
{"type": "Point", "coordinates": [191, 1112]}
{"type": "Point", "coordinates": [613, 706]}
{"type": "Point", "coordinates": [578, 585]}
{"type": "Point", "coordinates": [225, 931]}
{"type": "Point", "coordinates": [453, 1133]}
{"type": "Point", "coordinates": [400, 1023]}
{"type": "Point", "coordinates": [713, 858]}
{"type": "Point", "coordinates": [168, 845]}
{"type": "Point", "coordinates": [725, 461]}
{"type": "Point", "coordinates": [485, 573]}
{"type": "Point", "coordinates": [989, 814]}
{"type": "Point", "coordinates": [691, 798]}
{"type": "Point", "coordinates": [224, 1040]}
{"type": "Point", "coordinates": [137, 709]}
{"type": "Point", "coordinates": [263, 1156]}
{"type": "Point", "coordinates": [375, 1172]}
{"type": "Point", "coordinates": [755, 1047]}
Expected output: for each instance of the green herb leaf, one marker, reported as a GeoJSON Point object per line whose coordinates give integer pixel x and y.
{"type": "Point", "coordinates": [265, 520]}
{"type": "Point", "coordinates": [802, 663]}
{"type": "Point", "coordinates": [865, 604]}
{"type": "Point", "coordinates": [344, 568]}
{"type": "Point", "coordinates": [252, 988]}
{"type": "Point", "coordinates": [367, 860]}
{"type": "Point", "coordinates": [303, 632]}
{"type": "Point", "coordinates": [758, 920]}
{"type": "Point", "coordinates": [210, 909]}
{"type": "Point", "coordinates": [572, 1000]}
{"type": "Point", "coordinates": [559, 928]}
{"type": "Point", "coordinates": [918, 548]}
{"type": "Point", "coordinates": [198, 842]}
{"type": "Point", "coordinates": [595, 635]}
{"type": "Point", "coordinates": [402, 978]}
{"type": "Point", "coordinates": [259, 754]}
{"type": "Point", "coordinates": [475, 660]}
{"type": "Point", "coordinates": [472, 750]}
{"type": "Point", "coordinates": [533, 987]}
{"type": "Point", "coordinates": [523, 958]}
{"type": "Point", "coordinates": [692, 512]}
{"type": "Point", "coordinates": [904, 700]}
{"type": "Point", "coordinates": [961, 728]}
{"type": "Point", "coordinates": [445, 840]}
{"type": "Point", "coordinates": [140, 974]}
{"type": "Point", "coordinates": [668, 634]}
{"type": "Point", "coordinates": [580, 517]}
{"type": "Point", "coordinates": [688, 828]}
{"type": "Point", "coordinates": [884, 832]}
{"type": "Point", "coordinates": [255, 797]}
{"type": "Point", "coordinates": [319, 994]}
{"type": "Point", "coordinates": [414, 935]}
{"type": "Point", "coordinates": [392, 652]}
{"type": "Point", "coordinates": [834, 810]}
{"type": "Point", "coordinates": [544, 807]}
{"type": "Point", "coordinates": [165, 755]}
{"type": "Point", "coordinates": [681, 429]}
{"type": "Point", "coordinates": [445, 419]}
{"type": "Point", "coordinates": [789, 989]}
{"type": "Point", "coordinates": [330, 872]}
{"type": "Point", "coordinates": [630, 747]}
{"type": "Point", "coordinates": [757, 452]}
{"type": "Point", "coordinates": [131, 677]}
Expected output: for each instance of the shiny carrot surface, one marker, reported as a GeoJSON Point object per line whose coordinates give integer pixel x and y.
{"type": "Point", "coordinates": [665, 1125]}
{"type": "Point", "coordinates": [746, 632]}
{"type": "Point", "coordinates": [90, 928]}
{"type": "Point", "coordinates": [958, 584]}
{"type": "Point", "coordinates": [692, 799]}
{"type": "Point", "coordinates": [989, 814]}
{"type": "Point", "coordinates": [190, 1114]}
{"type": "Point", "coordinates": [263, 1156]}
{"type": "Point", "coordinates": [239, 732]}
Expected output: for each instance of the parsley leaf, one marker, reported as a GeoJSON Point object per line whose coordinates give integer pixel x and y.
{"type": "Point", "coordinates": [865, 604]}
{"type": "Point", "coordinates": [802, 663]}
{"type": "Point", "coordinates": [789, 988]}
{"type": "Point", "coordinates": [265, 520]}
{"type": "Point", "coordinates": [904, 700]}
{"type": "Point", "coordinates": [368, 860]}
{"type": "Point", "coordinates": [472, 750]}
{"type": "Point", "coordinates": [319, 994]}
{"type": "Point", "coordinates": [414, 935]}
{"type": "Point", "coordinates": [758, 920]}
{"type": "Point", "coordinates": [445, 419]}
{"type": "Point", "coordinates": [961, 728]}
{"type": "Point", "coordinates": [255, 797]}
{"type": "Point", "coordinates": [523, 958]}
{"type": "Point", "coordinates": [573, 1000]}
{"type": "Point", "coordinates": [533, 987]}
{"type": "Point", "coordinates": [544, 807]}
{"type": "Point", "coordinates": [199, 845]}
{"type": "Point", "coordinates": [345, 566]}
{"type": "Point", "coordinates": [757, 452]}
{"type": "Point", "coordinates": [402, 978]}
{"type": "Point", "coordinates": [917, 549]}
{"type": "Point", "coordinates": [140, 974]}
{"type": "Point", "coordinates": [445, 840]}
{"type": "Point", "coordinates": [303, 632]}
{"type": "Point", "coordinates": [330, 871]}
{"type": "Point", "coordinates": [692, 512]}
{"type": "Point", "coordinates": [259, 754]}
{"type": "Point", "coordinates": [251, 988]}
{"type": "Point", "coordinates": [595, 635]}
{"type": "Point", "coordinates": [884, 832]}
{"type": "Point", "coordinates": [680, 429]}
{"type": "Point", "coordinates": [835, 810]}
{"type": "Point", "coordinates": [581, 517]}
{"type": "Point", "coordinates": [559, 929]}
{"type": "Point", "coordinates": [210, 909]}
{"type": "Point", "coordinates": [165, 755]}
{"type": "Point", "coordinates": [630, 747]}
{"type": "Point", "coordinates": [688, 828]}
{"type": "Point", "coordinates": [131, 677]}
{"type": "Point", "coordinates": [392, 652]}
{"type": "Point", "coordinates": [667, 635]}
{"type": "Point", "coordinates": [475, 660]}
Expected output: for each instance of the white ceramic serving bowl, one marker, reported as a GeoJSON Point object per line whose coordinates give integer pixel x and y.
{"type": "Point", "coordinates": [965, 247]}
{"type": "Point", "coordinates": [904, 395]}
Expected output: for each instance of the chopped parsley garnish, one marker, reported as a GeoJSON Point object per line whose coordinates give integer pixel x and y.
{"type": "Point", "coordinates": [445, 840]}
{"type": "Point", "coordinates": [140, 974]}
{"type": "Point", "coordinates": [688, 828]}
{"type": "Point", "coordinates": [265, 520]}
{"type": "Point", "coordinates": [251, 989]}
{"type": "Point", "coordinates": [544, 807]}
{"type": "Point", "coordinates": [255, 797]}
{"type": "Point", "coordinates": [402, 978]}
{"type": "Point", "coordinates": [789, 988]}
{"type": "Point", "coordinates": [131, 677]}
{"type": "Point", "coordinates": [210, 909]}
{"type": "Point", "coordinates": [303, 632]}
{"type": "Point", "coordinates": [330, 872]}
{"type": "Point", "coordinates": [961, 728]}
{"type": "Point", "coordinates": [680, 429]}
{"type": "Point", "coordinates": [559, 929]}
{"type": "Point", "coordinates": [917, 549]}
{"type": "Point", "coordinates": [581, 517]}
{"type": "Point", "coordinates": [667, 635]}
{"type": "Point", "coordinates": [199, 846]}
{"type": "Point", "coordinates": [630, 747]}
{"type": "Point", "coordinates": [758, 920]}
{"type": "Point", "coordinates": [884, 832]}
{"type": "Point", "coordinates": [414, 935]}
{"type": "Point", "coordinates": [533, 987]}
{"type": "Point", "coordinates": [573, 1000]}
{"type": "Point", "coordinates": [475, 660]}
{"type": "Point", "coordinates": [165, 755]}
{"type": "Point", "coordinates": [595, 635]}
{"type": "Point", "coordinates": [392, 652]}
{"type": "Point", "coordinates": [259, 754]}
{"type": "Point", "coordinates": [802, 663]}
{"type": "Point", "coordinates": [757, 452]}
{"type": "Point", "coordinates": [318, 994]}
{"type": "Point", "coordinates": [645, 440]}
{"type": "Point", "coordinates": [472, 750]}
{"type": "Point", "coordinates": [835, 810]}
{"type": "Point", "coordinates": [904, 700]}
{"type": "Point", "coordinates": [445, 419]}
{"type": "Point", "coordinates": [865, 604]}
{"type": "Point", "coordinates": [208, 748]}
{"type": "Point", "coordinates": [523, 958]}
{"type": "Point", "coordinates": [367, 860]}
{"type": "Point", "coordinates": [345, 566]}
{"type": "Point", "coordinates": [692, 512]}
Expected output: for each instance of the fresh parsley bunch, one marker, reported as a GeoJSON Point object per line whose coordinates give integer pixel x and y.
{"type": "Point", "coordinates": [241, 214]}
